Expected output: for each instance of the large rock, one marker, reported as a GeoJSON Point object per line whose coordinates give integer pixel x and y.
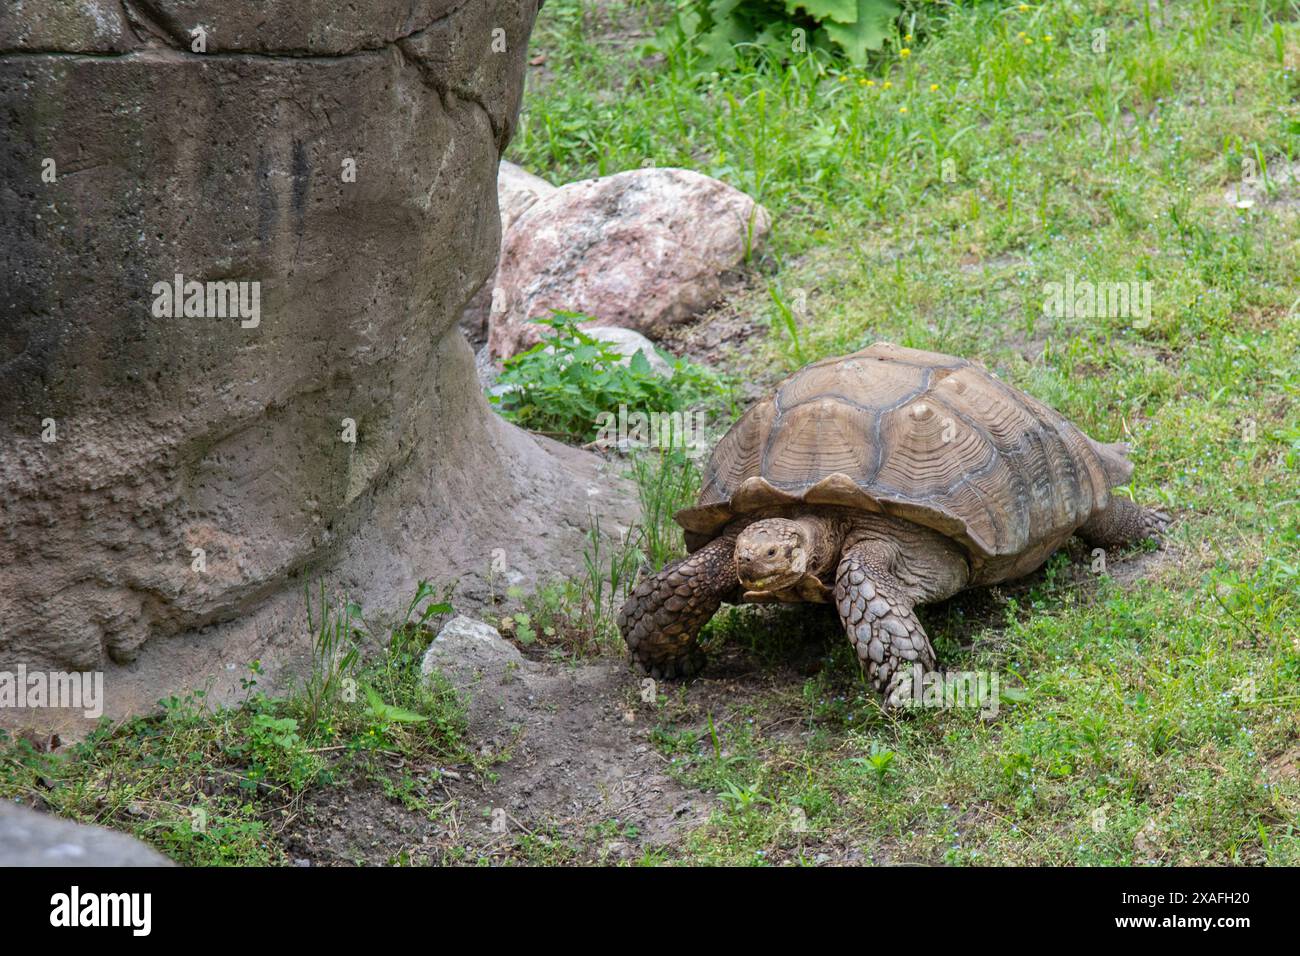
{"type": "Point", "coordinates": [517, 189]}
{"type": "Point", "coordinates": [642, 249]}
{"type": "Point", "coordinates": [28, 838]}
{"type": "Point", "coordinates": [170, 484]}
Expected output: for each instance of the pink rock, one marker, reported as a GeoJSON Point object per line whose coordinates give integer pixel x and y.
{"type": "Point", "coordinates": [517, 189]}
{"type": "Point", "coordinates": [644, 250]}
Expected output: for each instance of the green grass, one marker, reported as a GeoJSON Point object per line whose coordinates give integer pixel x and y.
{"type": "Point", "coordinates": [218, 786]}
{"type": "Point", "coordinates": [929, 200]}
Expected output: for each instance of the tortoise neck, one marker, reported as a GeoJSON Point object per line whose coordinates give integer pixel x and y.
{"type": "Point", "coordinates": [825, 534]}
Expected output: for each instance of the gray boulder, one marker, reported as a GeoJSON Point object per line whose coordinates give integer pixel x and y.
{"type": "Point", "coordinates": [628, 343]}
{"type": "Point", "coordinates": [28, 838]}
{"type": "Point", "coordinates": [172, 477]}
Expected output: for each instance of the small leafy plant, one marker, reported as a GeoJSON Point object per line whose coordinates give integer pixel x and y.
{"type": "Point", "coordinates": [578, 616]}
{"type": "Point", "coordinates": [564, 385]}
{"type": "Point", "coordinates": [880, 763]}
{"type": "Point", "coordinates": [780, 28]}
{"type": "Point", "coordinates": [275, 751]}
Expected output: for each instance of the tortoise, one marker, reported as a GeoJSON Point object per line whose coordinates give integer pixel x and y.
{"type": "Point", "coordinates": [879, 481]}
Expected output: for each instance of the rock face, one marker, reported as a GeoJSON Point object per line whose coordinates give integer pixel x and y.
{"type": "Point", "coordinates": [171, 483]}
{"type": "Point", "coordinates": [28, 838]}
{"type": "Point", "coordinates": [517, 189]}
{"type": "Point", "coordinates": [642, 249]}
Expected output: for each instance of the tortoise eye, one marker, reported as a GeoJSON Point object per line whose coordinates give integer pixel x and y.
{"type": "Point", "coordinates": [771, 551]}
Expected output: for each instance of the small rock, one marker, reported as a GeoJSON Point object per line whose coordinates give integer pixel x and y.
{"type": "Point", "coordinates": [628, 343]}
{"type": "Point", "coordinates": [465, 643]}
{"type": "Point", "coordinates": [486, 669]}
{"type": "Point", "coordinates": [1285, 180]}
{"type": "Point", "coordinates": [517, 190]}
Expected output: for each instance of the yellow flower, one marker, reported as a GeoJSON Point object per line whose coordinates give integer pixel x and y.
{"type": "Point", "coordinates": [908, 38]}
{"type": "Point", "coordinates": [1021, 34]}
{"type": "Point", "coordinates": [862, 82]}
{"type": "Point", "coordinates": [904, 52]}
{"type": "Point", "coordinates": [934, 87]}
{"type": "Point", "coordinates": [871, 82]}
{"type": "Point", "coordinates": [843, 78]}
{"type": "Point", "coordinates": [1028, 41]}
{"type": "Point", "coordinates": [887, 84]}
{"type": "Point", "coordinates": [1048, 38]}
{"type": "Point", "coordinates": [1024, 7]}
{"type": "Point", "coordinates": [902, 109]}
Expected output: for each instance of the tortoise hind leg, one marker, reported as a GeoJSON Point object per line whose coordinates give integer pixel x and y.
{"type": "Point", "coordinates": [662, 618]}
{"type": "Point", "coordinates": [878, 617]}
{"type": "Point", "coordinates": [1123, 522]}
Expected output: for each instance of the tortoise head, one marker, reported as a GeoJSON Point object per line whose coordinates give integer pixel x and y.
{"type": "Point", "coordinates": [772, 554]}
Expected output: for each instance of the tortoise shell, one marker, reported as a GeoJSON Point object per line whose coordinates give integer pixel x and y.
{"type": "Point", "coordinates": [929, 438]}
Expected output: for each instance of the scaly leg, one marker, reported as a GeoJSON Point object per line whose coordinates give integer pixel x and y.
{"type": "Point", "coordinates": [878, 617]}
{"type": "Point", "coordinates": [662, 619]}
{"type": "Point", "coordinates": [1123, 522]}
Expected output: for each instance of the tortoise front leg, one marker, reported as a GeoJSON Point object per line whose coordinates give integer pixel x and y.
{"type": "Point", "coordinates": [878, 617]}
{"type": "Point", "coordinates": [662, 619]}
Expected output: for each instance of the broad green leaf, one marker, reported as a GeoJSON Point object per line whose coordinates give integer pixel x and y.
{"type": "Point", "coordinates": [875, 17]}
{"type": "Point", "coordinates": [388, 712]}
{"type": "Point", "coordinates": [844, 11]}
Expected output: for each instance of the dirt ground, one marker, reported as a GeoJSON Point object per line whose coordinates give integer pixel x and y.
{"type": "Point", "coordinates": [579, 781]}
